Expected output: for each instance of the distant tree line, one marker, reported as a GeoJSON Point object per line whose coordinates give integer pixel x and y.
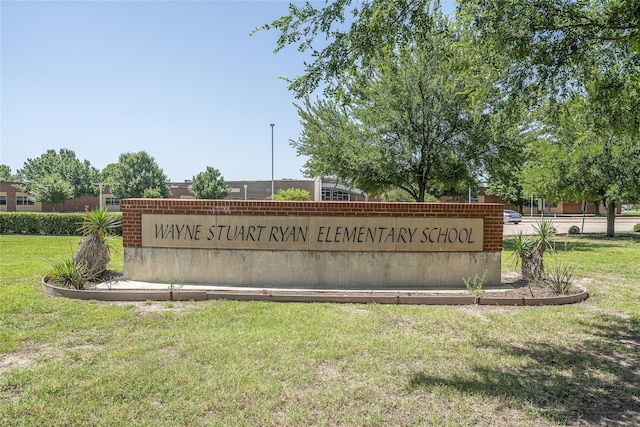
{"type": "Point", "coordinates": [55, 177]}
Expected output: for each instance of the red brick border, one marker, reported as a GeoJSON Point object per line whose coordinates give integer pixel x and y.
{"type": "Point", "coordinates": [132, 210]}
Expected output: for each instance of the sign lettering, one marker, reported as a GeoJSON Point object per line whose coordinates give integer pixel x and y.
{"type": "Point", "coordinates": [313, 233]}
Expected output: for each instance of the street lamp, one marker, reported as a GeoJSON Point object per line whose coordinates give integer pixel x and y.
{"type": "Point", "coordinates": [272, 125]}
{"type": "Point", "coordinates": [99, 184]}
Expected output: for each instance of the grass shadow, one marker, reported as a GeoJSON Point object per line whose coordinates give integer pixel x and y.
{"type": "Point", "coordinates": [595, 384]}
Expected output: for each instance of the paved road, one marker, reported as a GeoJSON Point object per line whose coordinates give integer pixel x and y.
{"type": "Point", "coordinates": [591, 224]}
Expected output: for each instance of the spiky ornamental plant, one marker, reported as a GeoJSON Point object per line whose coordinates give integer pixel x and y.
{"type": "Point", "coordinates": [529, 250]}
{"type": "Point", "coordinates": [94, 250]}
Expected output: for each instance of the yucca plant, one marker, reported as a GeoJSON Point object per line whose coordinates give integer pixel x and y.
{"type": "Point", "coordinates": [560, 277]}
{"type": "Point", "coordinates": [529, 250]}
{"type": "Point", "coordinates": [544, 232]}
{"type": "Point", "coordinates": [94, 250]}
{"type": "Point", "coordinates": [69, 273]}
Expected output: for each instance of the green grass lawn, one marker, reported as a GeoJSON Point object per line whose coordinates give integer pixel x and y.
{"type": "Point", "coordinates": [78, 363]}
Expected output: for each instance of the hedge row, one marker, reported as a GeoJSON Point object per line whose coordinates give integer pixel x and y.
{"type": "Point", "coordinates": [44, 223]}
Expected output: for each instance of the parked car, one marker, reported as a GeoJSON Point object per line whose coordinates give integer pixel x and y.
{"type": "Point", "coordinates": [511, 216]}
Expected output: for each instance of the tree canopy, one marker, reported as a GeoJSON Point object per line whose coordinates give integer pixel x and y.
{"type": "Point", "coordinates": [44, 176]}
{"type": "Point", "coordinates": [51, 189]}
{"type": "Point", "coordinates": [136, 175]}
{"type": "Point", "coordinates": [578, 61]}
{"type": "Point", "coordinates": [292, 194]}
{"type": "Point", "coordinates": [580, 160]}
{"type": "Point", "coordinates": [550, 37]}
{"type": "Point", "coordinates": [352, 35]}
{"type": "Point", "coordinates": [415, 121]}
{"type": "Point", "coordinates": [535, 56]}
{"type": "Point", "coordinates": [562, 48]}
{"type": "Point", "coordinates": [209, 185]}
{"type": "Point", "coordinates": [5, 173]}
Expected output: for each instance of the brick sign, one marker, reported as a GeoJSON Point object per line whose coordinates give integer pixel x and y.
{"type": "Point", "coordinates": [313, 233]}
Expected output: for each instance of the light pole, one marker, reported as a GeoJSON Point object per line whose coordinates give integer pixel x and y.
{"type": "Point", "coordinates": [272, 125]}
{"type": "Point", "coordinates": [99, 184]}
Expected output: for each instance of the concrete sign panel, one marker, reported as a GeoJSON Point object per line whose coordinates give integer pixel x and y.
{"type": "Point", "coordinates": [313, 233]}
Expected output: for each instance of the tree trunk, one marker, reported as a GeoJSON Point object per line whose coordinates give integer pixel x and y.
{"type": "Point", "coordinates": [597, 205]}
{"type": "Point", "coordinates": [611, 218]}
{"type": "Point", "coordinates": [532, 267]}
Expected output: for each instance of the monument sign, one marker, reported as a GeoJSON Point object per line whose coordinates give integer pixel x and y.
{"type": "Point", "coordinates": [321, 245]}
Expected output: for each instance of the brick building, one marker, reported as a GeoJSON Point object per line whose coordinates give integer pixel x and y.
{"type": "Point", "coordinates": [13, 200]}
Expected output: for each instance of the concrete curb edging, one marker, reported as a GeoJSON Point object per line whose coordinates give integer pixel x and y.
{"type": "Point", "coordinates": [120, 295]}
{"type": "Point", "coordinates": [275, 295]}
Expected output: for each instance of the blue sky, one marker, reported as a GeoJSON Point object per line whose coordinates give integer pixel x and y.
{"type": "Point", "coordinates": [181, 80]}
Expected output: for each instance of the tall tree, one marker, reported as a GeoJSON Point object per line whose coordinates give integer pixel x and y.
{"type": "Point", "coordinates": [513, 134]}
{"type": "Point", "coordinates": [79, 175]}
{"type": "Point", "coordinates": [51, 189]}
{"type": "Point", "coordinates": [135, 173]}
{"type": "Point", "coordinates": [561, 50]}
{"type": "Point", "coordinates": [415, 121]}
{"type": "Point", "coordinates": [592, 162]}
{"type": "Point", "coordinates": [209, 185]}
{"type": "Point", "coordinates": [5, 173]}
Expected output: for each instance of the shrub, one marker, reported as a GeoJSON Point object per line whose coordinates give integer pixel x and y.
{"type": "Point", "coordinates": [636, 228]}
{"type": "Point", "coordinates": [574, 229]}
{"type": "Point", "coordinates": [46, 223]}
{"type": "Point", "coordinates": [559, 278]}
{"type": "Point", "coordinates": [475, 285]}
{"type": "Point", "coordinates": [68, 273]}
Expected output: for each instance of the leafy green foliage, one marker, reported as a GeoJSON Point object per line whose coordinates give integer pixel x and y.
{"type": "Point", "coordinates": [5, 173]}
{"type": "Point", "coordinates": [292, 194]}
{"type": "Point", "coordinates": [574, 229]}
{"type": "Point", "coordinates": [505, 165]}
{"type": "Point", "coordinates": [69, 273]}
{"type": "Point", "coordinates": [135, 173]}
{"type": "Point", "coordinates": [352, 36]}
{"type": "Point", "coordinates": [46, 223]}
{"type": "Point", "coordinates": [395, 194]}
{"type": "Point", "coordinates": [475, 285]}
{"type": "Point", "coordinates": [555, 43]}
{"type": "Point", "coordinates": [581, 160]}
{"type": "Point", "coordinates": [153, 193]}
{"type": "Point", "coordinates": [51, 189]}
{"type": "Point", "coordinates": [636, 228]}
{"type": "Point", "coordinates": [413, 122]}
{"type": "Point", "coordinates": [209, 185]}
{"type": "Point", "coordinates": [45, 175]}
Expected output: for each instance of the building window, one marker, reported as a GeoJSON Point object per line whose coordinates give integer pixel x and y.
{"type": "Point", "coordinates": [3, 200]}
{"type": "Point", "coordinates": [112, 201]}
{"type": "Point", "coordinates": [24, 201]}
{"type": "Point", "coordinates": [335, 195]}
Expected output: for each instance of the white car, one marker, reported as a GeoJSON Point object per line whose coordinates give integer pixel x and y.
{"type": "Point", "coordinates": [511, 216]}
